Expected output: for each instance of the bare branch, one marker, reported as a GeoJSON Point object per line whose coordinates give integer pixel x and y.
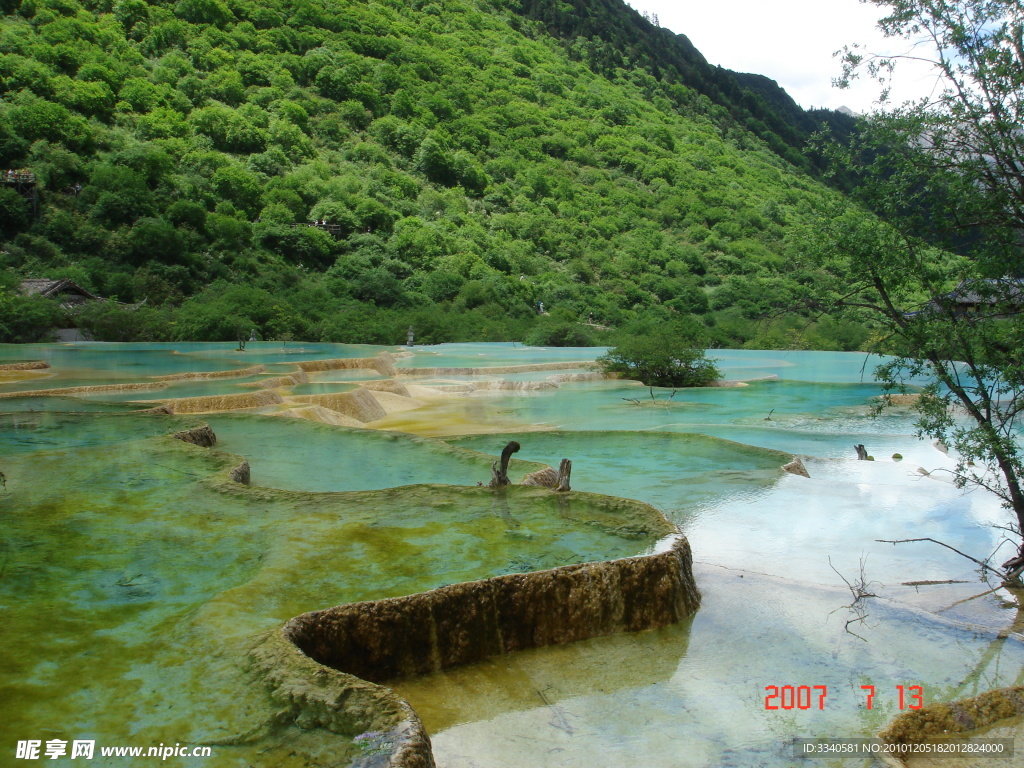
{"type": "Point", "coordinates": [941, 543]}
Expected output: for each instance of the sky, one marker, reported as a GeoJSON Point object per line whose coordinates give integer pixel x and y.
{"type": "Point", "coordinates": [792, 42]}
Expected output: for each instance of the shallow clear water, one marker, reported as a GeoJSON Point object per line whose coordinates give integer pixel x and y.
{"type": "Point", "coordinates": [805, 406]}
{"type": "Point", "coordinates": [677, 472]}
{"type": "Point", "coordinates": [822, 367]}
{"type": "Point", "coordinates": [95, 363]}
{"type": "Point", "coordinates": [498, 354]}
{"type": "Point", "coordinates": [304, 456]}
{"type": "Point", "coordinates": [24, 432]}
{"type": "Point", "coordinates": [694, 694]}
{"type": "Point", "coordinates": [130, 587]}
{"type": "Point", "coordinates": [180, 388]}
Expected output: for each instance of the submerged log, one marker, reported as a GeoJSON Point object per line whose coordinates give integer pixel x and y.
{"type": "Point", "coordinates": [499, 469]}
{"type": "Point", "coordinates": [549, 478]}
{"type": "Point", "coordinates": [543, 478]}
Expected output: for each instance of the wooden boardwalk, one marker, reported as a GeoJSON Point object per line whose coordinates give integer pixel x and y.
{"type": "Point", "coordinates": [24, 183]}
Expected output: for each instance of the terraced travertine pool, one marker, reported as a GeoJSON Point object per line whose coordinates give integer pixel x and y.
{"type": "Point", "coordinates": [132, 582]}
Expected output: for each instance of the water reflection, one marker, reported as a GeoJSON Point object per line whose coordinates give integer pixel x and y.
{"type": "Point", "coordinates": [619, 707]}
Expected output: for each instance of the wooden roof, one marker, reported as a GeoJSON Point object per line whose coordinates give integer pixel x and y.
{"type": "Point", "coordinates": [1006, 290]}
{"type": "Point", "coordinates": [62, 287]}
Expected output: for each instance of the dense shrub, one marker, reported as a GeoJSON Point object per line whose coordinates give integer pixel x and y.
{"type": "Point", "coordinates": [671, 356]}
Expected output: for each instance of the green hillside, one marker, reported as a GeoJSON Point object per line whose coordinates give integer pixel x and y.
{"type": "Point", "coordinates": [470, 164]}
{"type": "Point", "coordinates": [609, 35]}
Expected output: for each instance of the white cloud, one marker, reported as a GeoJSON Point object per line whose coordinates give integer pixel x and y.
{"type": "Point", "coordinates": [792, 42]}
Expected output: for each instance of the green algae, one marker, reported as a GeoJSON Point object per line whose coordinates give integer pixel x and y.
{"type": "Point", "coordinates": [296, 454]}
{"type": "Point", "coordinates": [34, 431]}
{"type": "Point", "coordinates": [136, 578]}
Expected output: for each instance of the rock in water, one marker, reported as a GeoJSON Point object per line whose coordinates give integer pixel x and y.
{"type": "Point", "coordinates": [796, 467]}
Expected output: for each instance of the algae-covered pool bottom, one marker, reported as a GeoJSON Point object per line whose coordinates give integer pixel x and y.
{"type": "Point", "coordinates": [136, 579]}
{"type": "Point", "coordinates": [136, 582]}
{"type": "Point", "coordinates": [296, 454]}
{"type": "Point", "coordinates": [675, 472]}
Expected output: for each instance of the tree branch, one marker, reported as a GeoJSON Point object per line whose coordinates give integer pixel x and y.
{"type": "Point", "coordinates": [941, 543]}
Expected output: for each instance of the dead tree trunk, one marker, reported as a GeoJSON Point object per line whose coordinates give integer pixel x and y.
{"type": "Point", "coordinates": [499, 469]}
{"type": "Point", "coordinates": [564, 469]}
{"type": "Point", "coordinates": [862, 452]}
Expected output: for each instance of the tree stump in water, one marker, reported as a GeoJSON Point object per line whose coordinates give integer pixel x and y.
{"type": "Point", "coordinates": [564, 470]}
{"type": "Point", "coordinates": [499, 469]}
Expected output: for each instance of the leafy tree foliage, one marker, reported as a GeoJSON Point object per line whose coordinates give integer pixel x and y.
{"type": "Point", "coordinates": [669, 356]}
{"type": "Point", "coordinates": [941, 280]}
{"type": "Point", "coordinates": [468, 166]}
{"type": "Point", "coordinates": [611, 36]}
{"type": "Point", "coordinates": [27, 318]}
{"type": "Point", "coordinates": [14, 213]}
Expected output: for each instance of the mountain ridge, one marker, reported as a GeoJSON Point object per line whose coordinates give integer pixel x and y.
{"type": "Point", "coordinates": [757, 102]}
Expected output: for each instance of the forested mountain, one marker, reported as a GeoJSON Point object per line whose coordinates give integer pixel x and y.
{"type": "Point", "coordinates": [608, 36]}
{"type": "Point", "coordinates": [471, 160]}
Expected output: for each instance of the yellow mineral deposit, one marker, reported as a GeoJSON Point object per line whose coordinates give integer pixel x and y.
{"type": "Point", "coordinates": [320, 415]}
{"type": "Point", "coordinates": [443, 414]}
{"type": "Point", "coordinates": [216, 403]}
{"type": "Point", "coordinates": [89, 390]}
{"type": "Point", "coordinates": [236, 373]}
{"type": "Point", "coordinates": [22, 371]}
{"type": "Point", "coordinates": [279, 382]}
{"type": "Point", "coordinates": [34, 365]}
{"type": "Point", "coordinates": [359, 404]}
{"type": "Point", "coordinates": [993, 715]}
{"type": "Point", "coordinates": [382, 363]}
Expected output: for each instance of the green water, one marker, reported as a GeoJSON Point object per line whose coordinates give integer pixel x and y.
{"type": "Point", "coordinates": [100, 363]}
{"type": "Point", "coordinates": [302, 455]}
{"type": "Point", "coordinates": [503, 354]}
{"type": "Point", "coordinates": [344, 375]}
{"type": "Point", "coordinates": [677, 472]}
{"type": "Point", "coordinates": [181, 388]}
{"type": "Point", "coordinates": [65, 404]}
{"type": "Point", "coordinates": [132, 585]}
{"type": "Point", "coordinates": [629, 406]}
{"type": "Point", "coordinates": [34, 431]}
